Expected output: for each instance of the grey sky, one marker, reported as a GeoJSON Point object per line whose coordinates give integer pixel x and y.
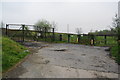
{"type": "Point", "coordinates": [87, 15]}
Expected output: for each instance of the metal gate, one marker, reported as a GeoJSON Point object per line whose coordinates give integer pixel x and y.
{"type": "Point", "coordinates": [23, 33]}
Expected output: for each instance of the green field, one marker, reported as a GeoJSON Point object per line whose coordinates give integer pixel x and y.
{"type": "Point", "coordinates": [85, 40]}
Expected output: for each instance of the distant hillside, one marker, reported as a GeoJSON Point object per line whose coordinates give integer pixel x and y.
{"type": "Point", "coordinates": [104, 32]}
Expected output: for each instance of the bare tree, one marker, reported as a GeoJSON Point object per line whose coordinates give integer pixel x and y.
{"type": "Point", "coordinates": [54, 25]}
{"type": "Point", "coordinates": [78, 30]}
{"type": "Point", "coordinates": [1, 24]}
{"type": "Point", "coordinates": [116, 23]}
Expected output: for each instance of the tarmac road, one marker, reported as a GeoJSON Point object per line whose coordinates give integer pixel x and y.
{"type": "Point", "coordinates": [66, 61]}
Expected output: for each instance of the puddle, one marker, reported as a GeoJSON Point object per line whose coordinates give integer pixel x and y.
{"type": "Point", "coordinates": [60, 49]}
{"type": "Point", "coordinates": [83, 54]}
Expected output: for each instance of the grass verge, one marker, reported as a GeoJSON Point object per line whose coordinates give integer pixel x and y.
{"type": "Point", "coordinates": [12, 53]}
{"type": "Point", "coordinates": [115, 54]}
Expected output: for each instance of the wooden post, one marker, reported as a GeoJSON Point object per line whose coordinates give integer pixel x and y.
{"type": "Point", "coordinates": [41, 32]}
{"type": "Point", "coordinates": [105, 37]}
{"type": "Point", "coordinates": [68, 38]}
{"type": "Point", "coordinates": [6, 30]}
{"type": "Point", "coordinates": [92, 40]}
{"type": "Point", "coordinates": [53, 31]}
{"type": "Point", "coordinates": [23, 33]}
{"type": "Point", "coordinates": [60, 37]}
{"type": "Point", "coordinates": [79, 38]}
{"type": "Point", "coordinates": [37, 37]}
{"type": "Point", "coordinates": [45, 33]}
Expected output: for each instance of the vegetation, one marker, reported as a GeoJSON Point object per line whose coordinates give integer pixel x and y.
{"type": "Point", "coordinates": [102, 32]}
{"type": "Point", "coordinates": [115, 41]}
{"type": "Point", "coordinates": [12, 53]}
{"type": "Point", "coordinates": [1, 24]}
{"type": "Point", "coordinates": [0, 54]}
{"type": "Point", "coordinates": [113, 29]}
{"type": "Point", "coordinates": [115, 54]}
{"type": "Point", "coordinates": [41, 24]}
{"type": "Point", "coordinates": [85, 40]}
{"type": "Point", "coordinates": [78, 30]}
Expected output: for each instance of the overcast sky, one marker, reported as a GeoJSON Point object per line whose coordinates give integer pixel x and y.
{"type": "Point", "coordinates": [95, 15]}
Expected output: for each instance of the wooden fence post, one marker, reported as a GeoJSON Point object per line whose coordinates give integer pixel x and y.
{"type": "Point", "coordinates": [53, 31]}
{"type": "Point", "coordinates": [60, 37]}
{"type": "Point", "coordinates": [45, 33]}
{"type": "Point", "coordinates": [6, 29]}
{"type": "Point", "coordinates": [79, 38]}
{"type": "Point", "coordinates": [37, 37]}
{"type": "Point", "coordinates": [68, 38]}
{"type": "Point", "coordinates": [23, 33]}
{"type": "Point", "coordinates": [41, 32]}
{"type": "Point", "coordinates": [105, 38]}
{"type": "Point", "coordinates": [92, 39]}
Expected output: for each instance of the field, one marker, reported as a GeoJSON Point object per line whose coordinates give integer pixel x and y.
{"type": "Point", "coordinates": [85, 40]}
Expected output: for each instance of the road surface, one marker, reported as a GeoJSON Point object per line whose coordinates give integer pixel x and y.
{"type": "Point", "coordinates": [66, 61]}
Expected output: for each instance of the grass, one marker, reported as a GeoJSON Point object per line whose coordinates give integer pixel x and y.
{"type": "Point", "coordinates": [12, 53]}
{"type": "Point", "coordinates": [100, 41]}
{"type": "Point", "coordinates": [115, 54]}
{"type": "Point", "coordinates": [0, 54]}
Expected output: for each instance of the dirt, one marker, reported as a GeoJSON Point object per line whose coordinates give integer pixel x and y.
{"type": "Point", "coordinates": [33, 47]}
{"type": "Point", "coordinates": [66, 61]}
